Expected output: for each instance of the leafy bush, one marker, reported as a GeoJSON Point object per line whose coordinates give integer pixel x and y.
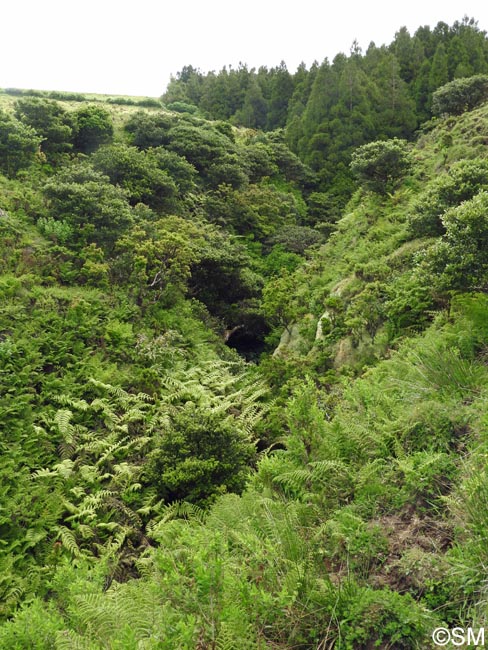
{"type": "Point", "coordinates": [137, 173]}
{"type": "Point", "coordinates": [66, 96]}
{"type": "Point", "coordinates": [460, 259]}
{"type": "Point", "coordinates": [463, 180]}
{"type": "Point", "coordinates": [460, 95]}
{"type": "Point", "coordinates": [149, 130]}
{"type": "Point", "coordinates": [200, 456]}
{"type": "Point", "coordinates": [384, 618]}
{"type": "Point", "coordinates": [57, 230]}
{"type": "Point", "coordinates": [84, 199]}
{"type": "Point", "coordinates": [381, 165]}
{"type": "Point", "coordinates": [92, 127]}
{"type": "Point", "coordinates": [18, 144]}
{"type": "Point", "coordinates": [49, 120]}
{"type": "Point", "coordinates": [182, 107]}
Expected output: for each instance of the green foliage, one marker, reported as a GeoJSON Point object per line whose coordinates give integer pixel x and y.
{"type": "Point", "coordinates": [223, 277]}
{"type": "Point", "coordinates": [59, 231]}
{"type": "Point", "coordinates": [154, 256]}
{"type": "Point", "coordinates": [49, 120]}
{"type": "Point", "coordinates": [200, 456]}
{"type": "Point", "coordinates": [138, 174]}
{"type": "Point", "coordinates": [276, 299]}
{"type": "Point", "coordinates": [92, 127]}
{"type": "Point", "coordinates": [384, 617]}
{"type": "Point", "coordinates": [84, 199]}
{"type": "Point", "coordinates": [260, 161]}
{"type": "Point", "coordinates": [463, 180]}
{"type": "Point", "coordinates": [148, 129]}
{"type": "Point", "coordinates": [181, 172]}
{"type": "Point", "coordinates": [182, 107]}
{"type": "Point", "coordinates": [260, 210]}
{"type": "Point", "coordinates": [380, 166]}
{"type": "Point", "coordinates": [18, 144]}
{"type": "Point", "coordinates": [158, 492]}
{"type": "Point", "coordinates": [460, 95]}
{"type": "Point", "coordinates": [351, 541]}
{"type": "Point", "coordinates": [210, 152]}
{"type": "Point", "coordinates": [458, 260]}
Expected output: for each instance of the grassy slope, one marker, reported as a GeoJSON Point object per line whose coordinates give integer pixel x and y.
{"type": "Point", "coordinates": [119, 112]}
{"type": "Point", "coordinates": [372, 242]}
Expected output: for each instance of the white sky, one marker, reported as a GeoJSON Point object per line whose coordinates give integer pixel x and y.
{"type": "Point", "coordinates": [127, 47]}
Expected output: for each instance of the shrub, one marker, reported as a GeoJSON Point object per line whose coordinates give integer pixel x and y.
{"type": "Point", "coordinates": [93, 127]}
{"type": "Point", "coordinates": [460, 95]}
{"type": "Point", "coordinates": [49, 120]}
{"type": "Point", "coordinates": [461, 183]}
{"type": "Point", "coordinates": [137, 173]}
{"type": "Point", "coordinates": [182, 107]}
{"type": "Point", "coordinates": [380, 165]}
{"type": "Point", "coordinates": [460, 259]}
{"type": "Point", "coordinates": [200, 456]}
{"type": "Point", "coordinates": [18, 144]}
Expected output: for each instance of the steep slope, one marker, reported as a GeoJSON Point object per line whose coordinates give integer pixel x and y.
{"type": "Point", "coordinates": [136, 511]}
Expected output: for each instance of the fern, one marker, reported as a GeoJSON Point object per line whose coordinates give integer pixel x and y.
{"type": "Point", "coordinates": [68, 540]}
{"type": "Point", "coordinates": [70, 640]}
{"type": "Point", "coordinates": [63, 421]}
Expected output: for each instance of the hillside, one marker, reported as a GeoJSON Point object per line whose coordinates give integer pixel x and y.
{"type": "Point", "coordinates": [234, 414]}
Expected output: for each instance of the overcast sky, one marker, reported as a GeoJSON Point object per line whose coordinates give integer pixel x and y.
{"type": "Point", "coordinates": [132, 47]}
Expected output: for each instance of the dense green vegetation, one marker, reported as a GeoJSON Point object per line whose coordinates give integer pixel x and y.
{"type": "Point", "coordinates": [331, 108]}
{"type": "Point", "coordinates": [243, 344]}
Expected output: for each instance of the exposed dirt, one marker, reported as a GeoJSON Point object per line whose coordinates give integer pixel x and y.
{"type": "Point", "coordinates": [415, 549]}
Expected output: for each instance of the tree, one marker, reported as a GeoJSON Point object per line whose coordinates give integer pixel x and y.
{"type": "Point", "coordinates": [49, 120]}
{"type": "Point", "coordinates": [409, 52]}
{"type": "Point", "coordinates": [215, 99]}
{"type": "Point", "coordinates": [463, 181]}
{"type": "Point", "coordinates": [156, 255]}
{"type": "Point", "coordinates": [394, 108]}
{"type": "Point", "coordinates": [281, 92]}
{"type": "Point", "coordinates": [92, 127]}
{"type": "Point", "coordinates": [460, 260]}
{"type": "Point", "coordinates": [211, 152]}
{"type": "Point", "coordinates": [149, 130]}
{"type": "Point", "coordinates": [278, 303]}
{"type": "Point", "coordinates": [439, 73]}
{"type": "Point", "coordinates": [380, 165]}
{"type": "Point", "coordinates": [83, 198]}
{"type": "Point", "coordinates": [458, 59]}
{"type": "Point", "coordinates": [222, 277]}
{"type": "Point", "coordinates": [207, 444]}
{"type": "Point", "coordinates": [181, 172]}
{"type": "Point", "coordinates": [136, 172]}
{"type": "Point", "coordinates": [253, 112]}
{"type": "Point", "coordinates": [460, 95]}
{"type": "Point", "coordinates": [259, 161]}
{"type": "Point", "coordinates": [18, 144]}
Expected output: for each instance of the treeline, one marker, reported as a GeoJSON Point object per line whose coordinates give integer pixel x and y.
{"type": "Point", "coordinates": [331, 108]}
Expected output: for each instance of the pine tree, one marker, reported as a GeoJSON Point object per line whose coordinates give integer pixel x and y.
{"type": "Point", "coordinates": [281, 92]}
{"type": "Point", "coordinates": [439, 73]}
